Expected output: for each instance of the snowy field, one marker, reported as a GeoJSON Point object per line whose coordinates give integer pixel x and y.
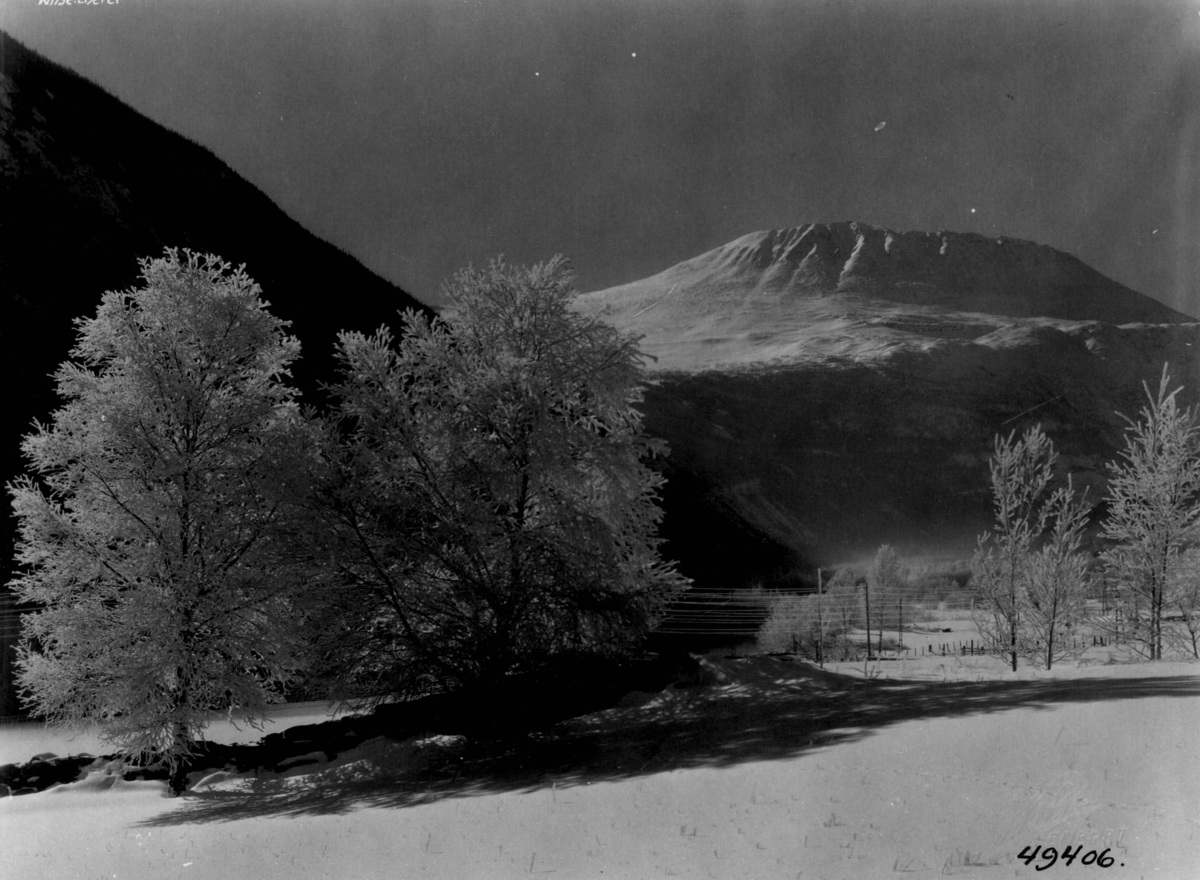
{"type": "Point", "coordinates": [943, 766]}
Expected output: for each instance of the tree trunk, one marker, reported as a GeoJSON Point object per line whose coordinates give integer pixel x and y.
{"type": "Point", "coordinates": [177, 783]}
{"type": "Point", "coordinates": [867, 599]}
{"type": "Point", "coordinates": [1158, 621]}
{"type": "Point", "coordinates": [1012, 619]}
{"type": "Point", "coordinates": [180, 738]}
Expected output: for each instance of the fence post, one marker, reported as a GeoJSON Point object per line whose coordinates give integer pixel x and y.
{"type": "Point", "coordinates": [821, 622]}
{"type": "Point", "coordinates": [867, 603]}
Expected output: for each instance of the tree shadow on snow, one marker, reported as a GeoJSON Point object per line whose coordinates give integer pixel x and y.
{"type": "Point", "coordinates": [771, 710]}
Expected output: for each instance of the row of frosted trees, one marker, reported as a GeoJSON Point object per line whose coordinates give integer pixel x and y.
{"type": "Point", "coordinates": [476, 501]}
{"type": "Point", "coordinates": [1032, 575]}
{"type": "Point", "coordinates": [1037, 591]}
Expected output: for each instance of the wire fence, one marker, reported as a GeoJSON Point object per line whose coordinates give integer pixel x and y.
{"type": "Point", "coordinates": [741, 612]}
{"type": "Point", "coordinates": [733, 611]}
{"type": "Point", "coordinates": [922, 601]}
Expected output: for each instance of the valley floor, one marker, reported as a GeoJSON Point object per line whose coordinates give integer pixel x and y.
{"type": "Point", "coordinates": [945, 766]}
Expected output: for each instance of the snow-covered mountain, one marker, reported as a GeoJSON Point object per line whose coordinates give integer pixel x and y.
{"type": "Point", "coordinates": [832, 387]}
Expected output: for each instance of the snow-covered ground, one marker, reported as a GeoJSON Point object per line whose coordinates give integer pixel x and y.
{"type": "Point", "coordinates": [21, 741]}
{"type": "Point", "coordinates": [782, 771]}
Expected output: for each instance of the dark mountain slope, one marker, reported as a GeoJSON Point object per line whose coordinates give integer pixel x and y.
{"type": "Point", "coordinates": [87, 186]}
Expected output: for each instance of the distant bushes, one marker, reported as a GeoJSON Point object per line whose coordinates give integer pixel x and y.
{"type": "Point", "coordinates": [806, 625]}
{"type": "Point", "coordinates": [858, 597]}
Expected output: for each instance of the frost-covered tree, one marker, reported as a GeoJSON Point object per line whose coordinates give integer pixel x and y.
{"type": "Point", "coordinates": [1183, 598]}
{"type": "Point", "coordinates": [814, 623]}
{"type": "Point", "coordinates": [845, 600]}
{"type": "Point", "coordinates": [1021, 472]}
{"type": "Point", "coordinates": [1057, 578]}
{"type": "Point", "coordinates": [796, 623]}
{"type": "Point", "coordinates": [884, 580]}
{"type": "Point", "coordinates": [150, 520]}
{"type": "Point", "coordinates": [1153, 494]}
{"type": "Point", "coordinates": [1029, 572]}
{"type": "Point", "coordinates": [489, 504]}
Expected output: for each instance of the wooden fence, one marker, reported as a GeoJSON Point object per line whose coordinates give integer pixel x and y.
{"type": "Point", "coordinates": [971, 647]}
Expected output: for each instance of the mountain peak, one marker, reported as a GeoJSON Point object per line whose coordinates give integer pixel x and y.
{"type": "Point", "coordinates": [963, 271]}
{"type": "Point", "coordinates": [829, 288]}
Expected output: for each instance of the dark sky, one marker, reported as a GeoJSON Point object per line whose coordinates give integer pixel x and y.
{"type": "Point", "coordinates": [419, 136]}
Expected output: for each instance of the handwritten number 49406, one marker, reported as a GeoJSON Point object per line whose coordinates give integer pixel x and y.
{"type": "Point", "coordinates": [1050, 855]}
